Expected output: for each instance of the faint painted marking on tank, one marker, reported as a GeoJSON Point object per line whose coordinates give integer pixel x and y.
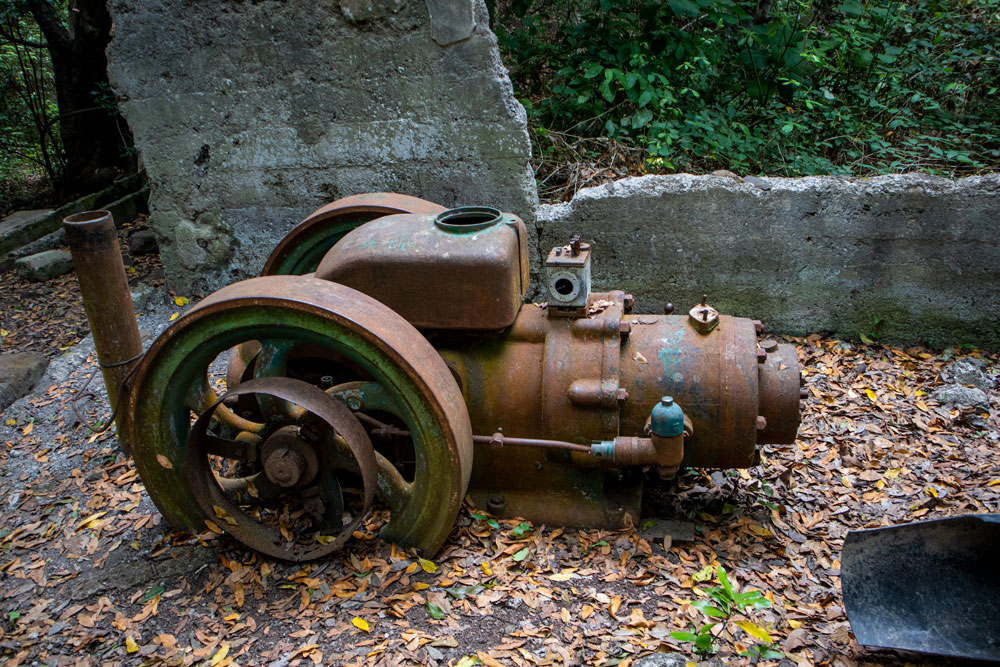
{"type": "Point", "coordinates": [670, 354]}
{"type": "Point", "coordinates": [399, 246]}
{"type": "Point", "coordinates": [678, 376]}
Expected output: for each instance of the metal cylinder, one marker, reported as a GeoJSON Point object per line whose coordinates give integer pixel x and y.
{"type": "Point", "coordinates": [93, 242]}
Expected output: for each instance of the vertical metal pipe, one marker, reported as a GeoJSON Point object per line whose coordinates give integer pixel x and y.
{"type": "Point", "coordinates": [100, 271]}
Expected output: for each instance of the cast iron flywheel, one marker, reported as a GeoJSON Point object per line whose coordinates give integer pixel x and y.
{"type": "Point", "coordinates": [334, 365]}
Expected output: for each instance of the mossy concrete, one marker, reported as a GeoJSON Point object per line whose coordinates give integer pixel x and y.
{"type": "Point", "coordinates": [897, 258]}
{"type": "Point", "coordinates": [250, 115]}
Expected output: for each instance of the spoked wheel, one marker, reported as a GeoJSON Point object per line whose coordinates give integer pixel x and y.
{"type": "Point", "coordinates": [302, 249]}
{"type": "Point", "coordinates": [273, 480]}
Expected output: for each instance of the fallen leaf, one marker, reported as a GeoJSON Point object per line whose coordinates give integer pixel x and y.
{"type": "Point", "coordinates": [755, 631]}
{"type": "Point", "coordinates": [220, 655]}
{"type": "Point", "coordinates": [360, 624]}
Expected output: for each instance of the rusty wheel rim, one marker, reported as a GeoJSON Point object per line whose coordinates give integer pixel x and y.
{"type": "Point", "coordinates": [171, 386]}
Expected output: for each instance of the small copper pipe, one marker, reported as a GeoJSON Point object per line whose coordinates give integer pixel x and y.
{"type": "Point", "coordinates": [500, 440]}
{"type": "Point", "coordinates": [93, 242]}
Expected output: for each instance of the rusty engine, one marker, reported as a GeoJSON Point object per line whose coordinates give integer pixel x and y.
{"type": "Point", "coordinates": [387, 352]}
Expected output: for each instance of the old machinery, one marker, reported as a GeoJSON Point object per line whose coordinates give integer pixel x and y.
{"type": "Point", "coordinates": [387, 352]}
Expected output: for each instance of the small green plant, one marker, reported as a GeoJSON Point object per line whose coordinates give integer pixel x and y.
{"type": "Point", "coordinates": [491, 522]}
{"type": "Point", "coordinates": [520, 530]}
{"type": "Point", "coordinates": [704, 642]}
{"type": "Point", "coordinates": [721, 603]}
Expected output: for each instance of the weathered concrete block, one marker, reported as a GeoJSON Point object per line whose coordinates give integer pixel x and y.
{"type": "Point", "coordinates": [18, 374]}
{"type": "Point", "coordinates": [26, 227]}
{"type": "Point", "coordinates": [251, 115]}
{"type": "Point", "coordinates": [900, 258]}
{"type": "Point", "coordinates": [17, 228]}
{"type": "Point", "coordinates": [44, 265]}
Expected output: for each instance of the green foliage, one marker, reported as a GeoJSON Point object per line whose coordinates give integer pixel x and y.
{"type": "Point", "coordinates": [29, 141]}
{"type": "Point", "coordinates": [788, 87]}
{"type": "Point", "coordinates": [704, 642]}
{"type": "Point", "coordinates": [721, 604]}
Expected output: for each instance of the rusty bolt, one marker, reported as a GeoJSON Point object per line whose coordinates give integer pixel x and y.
{"type": "Point", "coordinates": [496, 442]}
{"type": "Point", "coordinates": [761, 355]}
{"type": "Point", "coordinates": [624, 328]}
{"type": "Point", "coordinates": [326, 381]}
{"type": "Point", "coordinates": [668, 309]}
{"type": "Point", "coordinates": [758, 326]}
{"type": "Point", "coordinates": [558, 251]}
{"type": "Point", "coordinates": [574, 245]}
{"type": "Point", "coordinates": [803, 393]}
{"type": "Point", "coordinates": [704, 319]}
{"type": "Point", "coordinates": [704, 300]}
{"type": "Point", "coordinates": [761, 422]}
{"type": "Point", "coordinates": [769, 345]}
{"type": "Point", "coordinates": [496, 504]}
{"type": "Point", "coordinates": [628, 302]}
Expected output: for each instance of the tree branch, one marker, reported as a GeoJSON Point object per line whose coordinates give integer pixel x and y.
{"type": "Point", "coordinates": [50, 25]}
{"type": "Point", "coordinates": [22, 42]}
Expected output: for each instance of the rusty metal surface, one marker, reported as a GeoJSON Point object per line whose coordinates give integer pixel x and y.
{"type": "Point", "coordinates": [713, 377]}
{"type": "Point", "coordinates": [438, 274]}
{"type": "Point", "coordinates": [303, 247]}
{"type": "Point", "coordinates": [242, 525]}
{"type": "Point", "coordinates": [279, 310]}
{"type": "Point", "coordinates": [779, 393]}
{"type": "Point", "coordinates": [597, 378]}
{"type": "Point", "coordinates": [93, 242]}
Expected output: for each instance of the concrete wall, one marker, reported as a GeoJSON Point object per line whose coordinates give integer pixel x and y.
{"type": "Point", "coordinates": [899, 258]}
{"type": "Point", "coordinates": [249, 115]}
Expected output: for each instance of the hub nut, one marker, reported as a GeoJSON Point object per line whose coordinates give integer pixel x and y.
{"type": "Point", "coordinates": [288, 459]}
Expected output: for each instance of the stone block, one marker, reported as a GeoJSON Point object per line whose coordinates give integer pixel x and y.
{"type": "Point", "coordinates": [18, 374]}
{"type": "Point", "coordinates": [44, 265]}
{"type": "Point", "coordinates": [16, 228]}
{"type": "Point", "coordinates": [249, 119]}
{"type": "Point", "coordinates": [898, 258]}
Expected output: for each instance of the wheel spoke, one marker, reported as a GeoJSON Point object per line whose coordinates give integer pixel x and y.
{"type": "Point", "coordinates": [241, 450]}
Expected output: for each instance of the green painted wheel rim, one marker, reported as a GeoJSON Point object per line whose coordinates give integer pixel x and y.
{"type": "Point", "coordinates": [172, 379]}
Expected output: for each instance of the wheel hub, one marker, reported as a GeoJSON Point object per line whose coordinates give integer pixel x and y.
{"type": "Point", "coordinates": [288, 459]}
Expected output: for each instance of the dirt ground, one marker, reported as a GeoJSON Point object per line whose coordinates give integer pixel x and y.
{"type": "Point", "coordinates": [89, 573]}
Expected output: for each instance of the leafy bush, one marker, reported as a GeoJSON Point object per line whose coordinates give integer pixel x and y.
{"type": "Point", "coordinates": [784, 87]}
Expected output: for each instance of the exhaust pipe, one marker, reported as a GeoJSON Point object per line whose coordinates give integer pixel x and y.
{"type": "Point", "coordinates": [93, 242]}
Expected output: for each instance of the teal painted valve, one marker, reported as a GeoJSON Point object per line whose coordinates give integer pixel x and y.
{"type": "Point", "coordinates": [667, 418]}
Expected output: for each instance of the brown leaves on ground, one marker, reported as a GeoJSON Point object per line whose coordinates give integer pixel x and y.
{"type": "Point", "coordinates": [89, 576]}
{"type": "Point", "coordinates": [48, 317]}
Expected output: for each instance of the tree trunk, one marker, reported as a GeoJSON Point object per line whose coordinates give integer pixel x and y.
{"type": "Point", "coordinates": [95, 138]}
